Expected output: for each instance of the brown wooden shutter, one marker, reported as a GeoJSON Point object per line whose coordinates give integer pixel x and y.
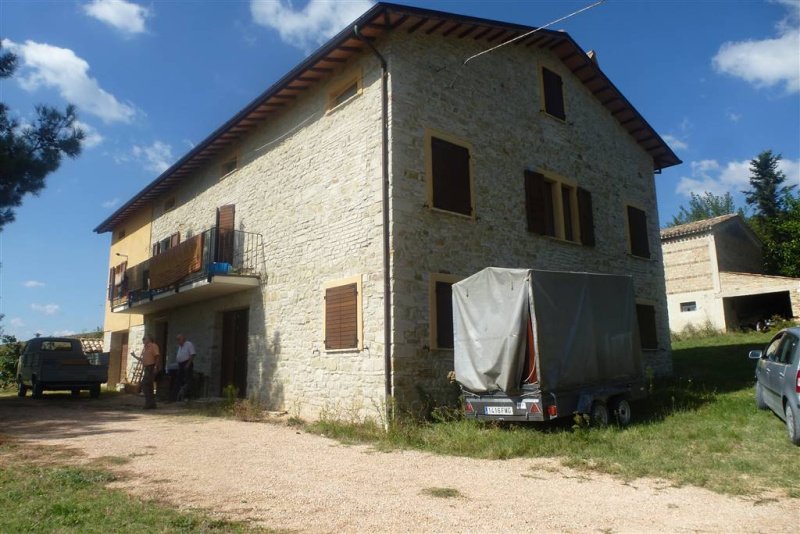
{"type": "Point", "coordinates": [637, 227]}
{"type": "Point", "coordinates": [586, 217]}
{"type": "Point", "coordinates": [646, 315]}
{"type": "Point", "coordinates": [539, 204]}
{"type": "Point", "coordinates": [450, 167]}
{"type": "Point", "coordinates": [553, 94]}
{"type": "Point", "coordinates": [156, 248]}
{"type": "Point", "coordinates": [175, 239]}
{"type": "Point", "coordinates": [566, 205]}
{"type": "Point", "coordinates": [341, 317]}
{"type": "Point", "coordinates": [444, 315]}
{"type": "Point", "coordinates": [111, 284]}
{"type": "Point", "coordinates": [225, 233]}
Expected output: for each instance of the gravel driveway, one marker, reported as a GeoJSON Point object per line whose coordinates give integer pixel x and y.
{"type": "Point", "coordinates": [282, 478]}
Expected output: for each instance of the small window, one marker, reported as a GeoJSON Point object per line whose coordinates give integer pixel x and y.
{"type": "Point", "coordinates": [648, 333]}
{"type": "Point", "coordinates": [343, 315]}
{"type": "Point", "coordinates": [572, 221]}
{"type": "Point", "coordinates": [451, 188]}
{"type": "Point", "coordinates": [120, 234]}
{"type": "Point", "coordinates": [441, 313]}
{"type": "Point", "coordinates": [230, 165]}
{"type": "Point", "coordinates": [167, 243]}
{"type": "Point", "coordinates": [637, 231]}
{"type": "Point", "coordinates": [344, 92]}
{"type": "Point", "coordinates": [553, 94]}
{"type": "Point", "coordinates": [169, 204]}
{"type": "Point", "coordinates": [688, 306]}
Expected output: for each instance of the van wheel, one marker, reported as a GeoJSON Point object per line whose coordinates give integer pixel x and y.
{"type": "Point", "coordinates": [599, 414]}
{"type": "Point", "coordinates": [94, 392]}
{"type": "Point", "coordinates": [22, 389]}
{"type": "Point", "coordinates": [792, 423]}
{"type": "Point", "coordinates": [76, 392]}
{"type": "Point", "coordinates": [760, 404]}
{"type": "Point", "coordinates": [621, 409]}
{"type": "Point", "coordinates": [38, 389]}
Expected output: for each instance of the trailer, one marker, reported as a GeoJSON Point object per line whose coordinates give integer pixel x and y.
{"type": "Point", "coordinates": [534, 345]}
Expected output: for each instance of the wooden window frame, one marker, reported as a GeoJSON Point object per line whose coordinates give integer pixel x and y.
{"type": "Point", "coordinates": [652, 305]}
{"type": "Point", "coordinates": [452, 139]}
{"type": "Point", "coordinates": [339, 88]}
{"type": "Point", "coordinates": [359, 313]}
{"type": "Point", "coordinates": [433, 307]}
{"type": "Point", "coordinates": [543, 86]}
{"type": "Point", "coordinates": [629, 234]}
{"type": "Point", "coordinates": [689, 306]}
{"type": "Point", "coordinates": [579, 225]}
{"type": "Point", "coordinates": [167, 243]}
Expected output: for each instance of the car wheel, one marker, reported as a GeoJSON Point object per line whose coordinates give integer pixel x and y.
{"type": "Point", "coordinates": [760, 404]}
{"type": "Point", "coordinates": [621, 409]}
{"type": "Point", "coordinates": [792, 423]}
{"type": "Point", "coordinates": [599, 414]}
{"type": "Point", "coordinates": [76, 392]}
{"type": "Point", "coordinates": [22, 389]}
{"type": "Point", "coordinates": [37, 390]}
{"type": "Point", "coordinates": [95, 391]}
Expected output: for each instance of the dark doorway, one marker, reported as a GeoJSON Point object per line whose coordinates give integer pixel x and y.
{"type": "Point", "coordinates": [123, 359]}
{"type": "Point", "coordinates": [234, 351]}
{"type": "Point", "coordinates": [161, 335]}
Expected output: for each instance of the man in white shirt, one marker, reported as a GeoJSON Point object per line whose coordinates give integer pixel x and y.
{"type": "Point", "coordinates": [185, 359]}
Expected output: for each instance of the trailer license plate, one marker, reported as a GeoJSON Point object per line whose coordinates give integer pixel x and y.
{"type": "Point", "coordinates": [499, 410]}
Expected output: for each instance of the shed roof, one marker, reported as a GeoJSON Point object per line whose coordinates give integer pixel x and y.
{"type": "Point", "coordinates": [376, 22]}
{"type": "Point", "coordinates": [696, 227]}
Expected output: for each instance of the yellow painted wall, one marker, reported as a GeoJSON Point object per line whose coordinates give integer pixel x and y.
{"type": "Point", "coordinates": [136, 245]}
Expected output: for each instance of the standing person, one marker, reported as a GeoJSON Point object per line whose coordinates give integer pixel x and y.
{"type": "Point", "coordinates": [151, 361]}
{"type": "Point", "coordinates": [185, 359]}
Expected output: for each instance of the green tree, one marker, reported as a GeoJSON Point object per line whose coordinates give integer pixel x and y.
{"type": "Point", "coordinates": [28, 153]}
{"type": "Point", "coordinates": [704, 206]}
{"type": "Point", "coordinates": [767, 194]}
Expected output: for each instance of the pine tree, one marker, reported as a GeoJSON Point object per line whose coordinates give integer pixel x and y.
{"type": "Point", "coordinates": [767, 193]}
{"type": "Point", "coordinates": [29, 153]}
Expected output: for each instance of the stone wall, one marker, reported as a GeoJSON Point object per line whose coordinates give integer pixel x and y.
{"type": "Point", "coordinates": [494, 104]}
{"type": "Point", "coordinates": [308, 181]}
{"type": "Point", "coordinates": [688, 265]}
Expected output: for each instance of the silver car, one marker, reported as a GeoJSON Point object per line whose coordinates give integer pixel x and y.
{"type": "Point", "coordinates": [778, 379]}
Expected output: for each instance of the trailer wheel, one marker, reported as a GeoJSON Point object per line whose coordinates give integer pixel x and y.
{"type": "Point", "coordinates": [599, 414]}
{"type": "Point", "coordinates": [76, 392]}
{"type": "Point", "coordinates": [621, 409]}
{"type": "Point", "coordinates": [94, 392]}
{"type": "Point", "coordinates": [22, 389]}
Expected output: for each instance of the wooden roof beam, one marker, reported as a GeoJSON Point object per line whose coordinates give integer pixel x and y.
{"type": "Point", "coordinates": [417, 25]}
{"type": "Point", "coordinates": [451, 30]}
{"type": "Point", "coordinates": [467, 32]}
{"type": "Point", "coordinates": [496, 35]}
{"type": "Point", "coordinates": [482, 33]}
{"type": "Point", "coordinates": [435, 27]}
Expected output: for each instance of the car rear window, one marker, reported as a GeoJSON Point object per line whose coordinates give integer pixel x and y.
{"type": "Point", "coordinates": [56, 346]}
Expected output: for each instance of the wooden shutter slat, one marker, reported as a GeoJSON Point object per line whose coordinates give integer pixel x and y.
{"type": "Point", "coordinates": [341, 317]}
{"type": "Point", "coordinates": [637, 227]}
{"type": "Point", "coordinates": [646, 316]}
{"type": "Point", "coordinates": [535, 202]}
{"type": "Point", "coordinates": [553, 94]}
{"type": "Point", "coordinates": [444, 315]}
{"type": "Point", "coordinates": [586, 217]}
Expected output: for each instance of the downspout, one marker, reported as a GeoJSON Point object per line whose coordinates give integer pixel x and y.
{"type": "Point", "coordinates": [387, 288]}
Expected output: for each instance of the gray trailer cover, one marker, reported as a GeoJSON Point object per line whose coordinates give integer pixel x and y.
{"type": "Point", "coordinates": [584, 328]}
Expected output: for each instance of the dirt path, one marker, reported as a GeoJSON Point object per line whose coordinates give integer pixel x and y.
{"type": "Point", "coordinates": [281, 478]}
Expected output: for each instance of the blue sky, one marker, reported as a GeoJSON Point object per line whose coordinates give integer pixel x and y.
{"type": "Point", "coordinates": [720, 81]}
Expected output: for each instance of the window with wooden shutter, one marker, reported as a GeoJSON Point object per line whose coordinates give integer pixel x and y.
{"type": "Point", "coordinates": [225, 233]}
{"type": "Point", "coordinates": [343, 315]}
{"type": "Point", "coordinates": [566, 210]}
{"type": "Point", "coordinates": [539, 204]}
{"type": "Point", "coordinates": [553, 93]}
{"type": "Point", "coordinates": [451, 188]}
{"type": "Point", "coordinates": [441, 310]}
{"type": "Point", "coordinates": [586, 217]}
{"type": "Point", "coordinates": [648, 333]}
{"type": "Point", "coordinates": [637, 231]}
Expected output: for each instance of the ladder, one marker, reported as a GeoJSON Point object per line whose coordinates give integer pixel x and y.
{"type": "Point", "coordinates": [138, 371]}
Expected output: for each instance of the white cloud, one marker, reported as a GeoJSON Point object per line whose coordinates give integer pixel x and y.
{"type": "Point", "coordinates": [733, 177]}
{"type": "Point", "coordinates": [16, 322]}
{"type": "Point", "coordinates": [50, 66]}
{"type": "Point", "coordinates": [47, 309]}
{"type": "Point", "coordinates": [127, 17]}
{"type": "Point", "coordinates": [108, 204]}
{"type": "Point", "coordinates": [312, 25]}
{"type": "Point", "coordinates": [733, 117]}
{"type": "Point", "coordinates": [675, 143]}
{"type": "Point", "coordinates": [156, 157]}
{"type": "Point", "coordinates": [91, 138]}
{"type": "Point", "coordinates": [33, 283]}
{"type": "Point", "coordinates": [766, 62]}
{"type": "Point", "coordinates": [63, 333]}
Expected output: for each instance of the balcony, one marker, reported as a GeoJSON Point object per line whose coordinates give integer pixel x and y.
{"type": "Point", "coordinates": [216, 263]}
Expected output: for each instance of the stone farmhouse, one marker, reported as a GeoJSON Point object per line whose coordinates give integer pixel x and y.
{"type": "Point", "coordinates": [308, 245]}
{"type": "Point", "coordinates": [713, 276]}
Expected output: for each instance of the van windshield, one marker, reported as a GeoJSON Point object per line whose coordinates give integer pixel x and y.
{"type": "Point", "coordinates": [64, 346]}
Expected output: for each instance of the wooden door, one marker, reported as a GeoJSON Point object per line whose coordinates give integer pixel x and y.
{"type": "Point", "coordinates": [225, 233]}
{"type": "Point", "coordinates": [234, 351]}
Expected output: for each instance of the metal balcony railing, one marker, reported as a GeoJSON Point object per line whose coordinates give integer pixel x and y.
{"type": "Point", "coordinates": [215, 252]}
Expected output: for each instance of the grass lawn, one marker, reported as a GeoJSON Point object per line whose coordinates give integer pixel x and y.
{"type": "Point", "coordinates": [41, 492]}
{"type": "Point", "coordinates": [700, 427]}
